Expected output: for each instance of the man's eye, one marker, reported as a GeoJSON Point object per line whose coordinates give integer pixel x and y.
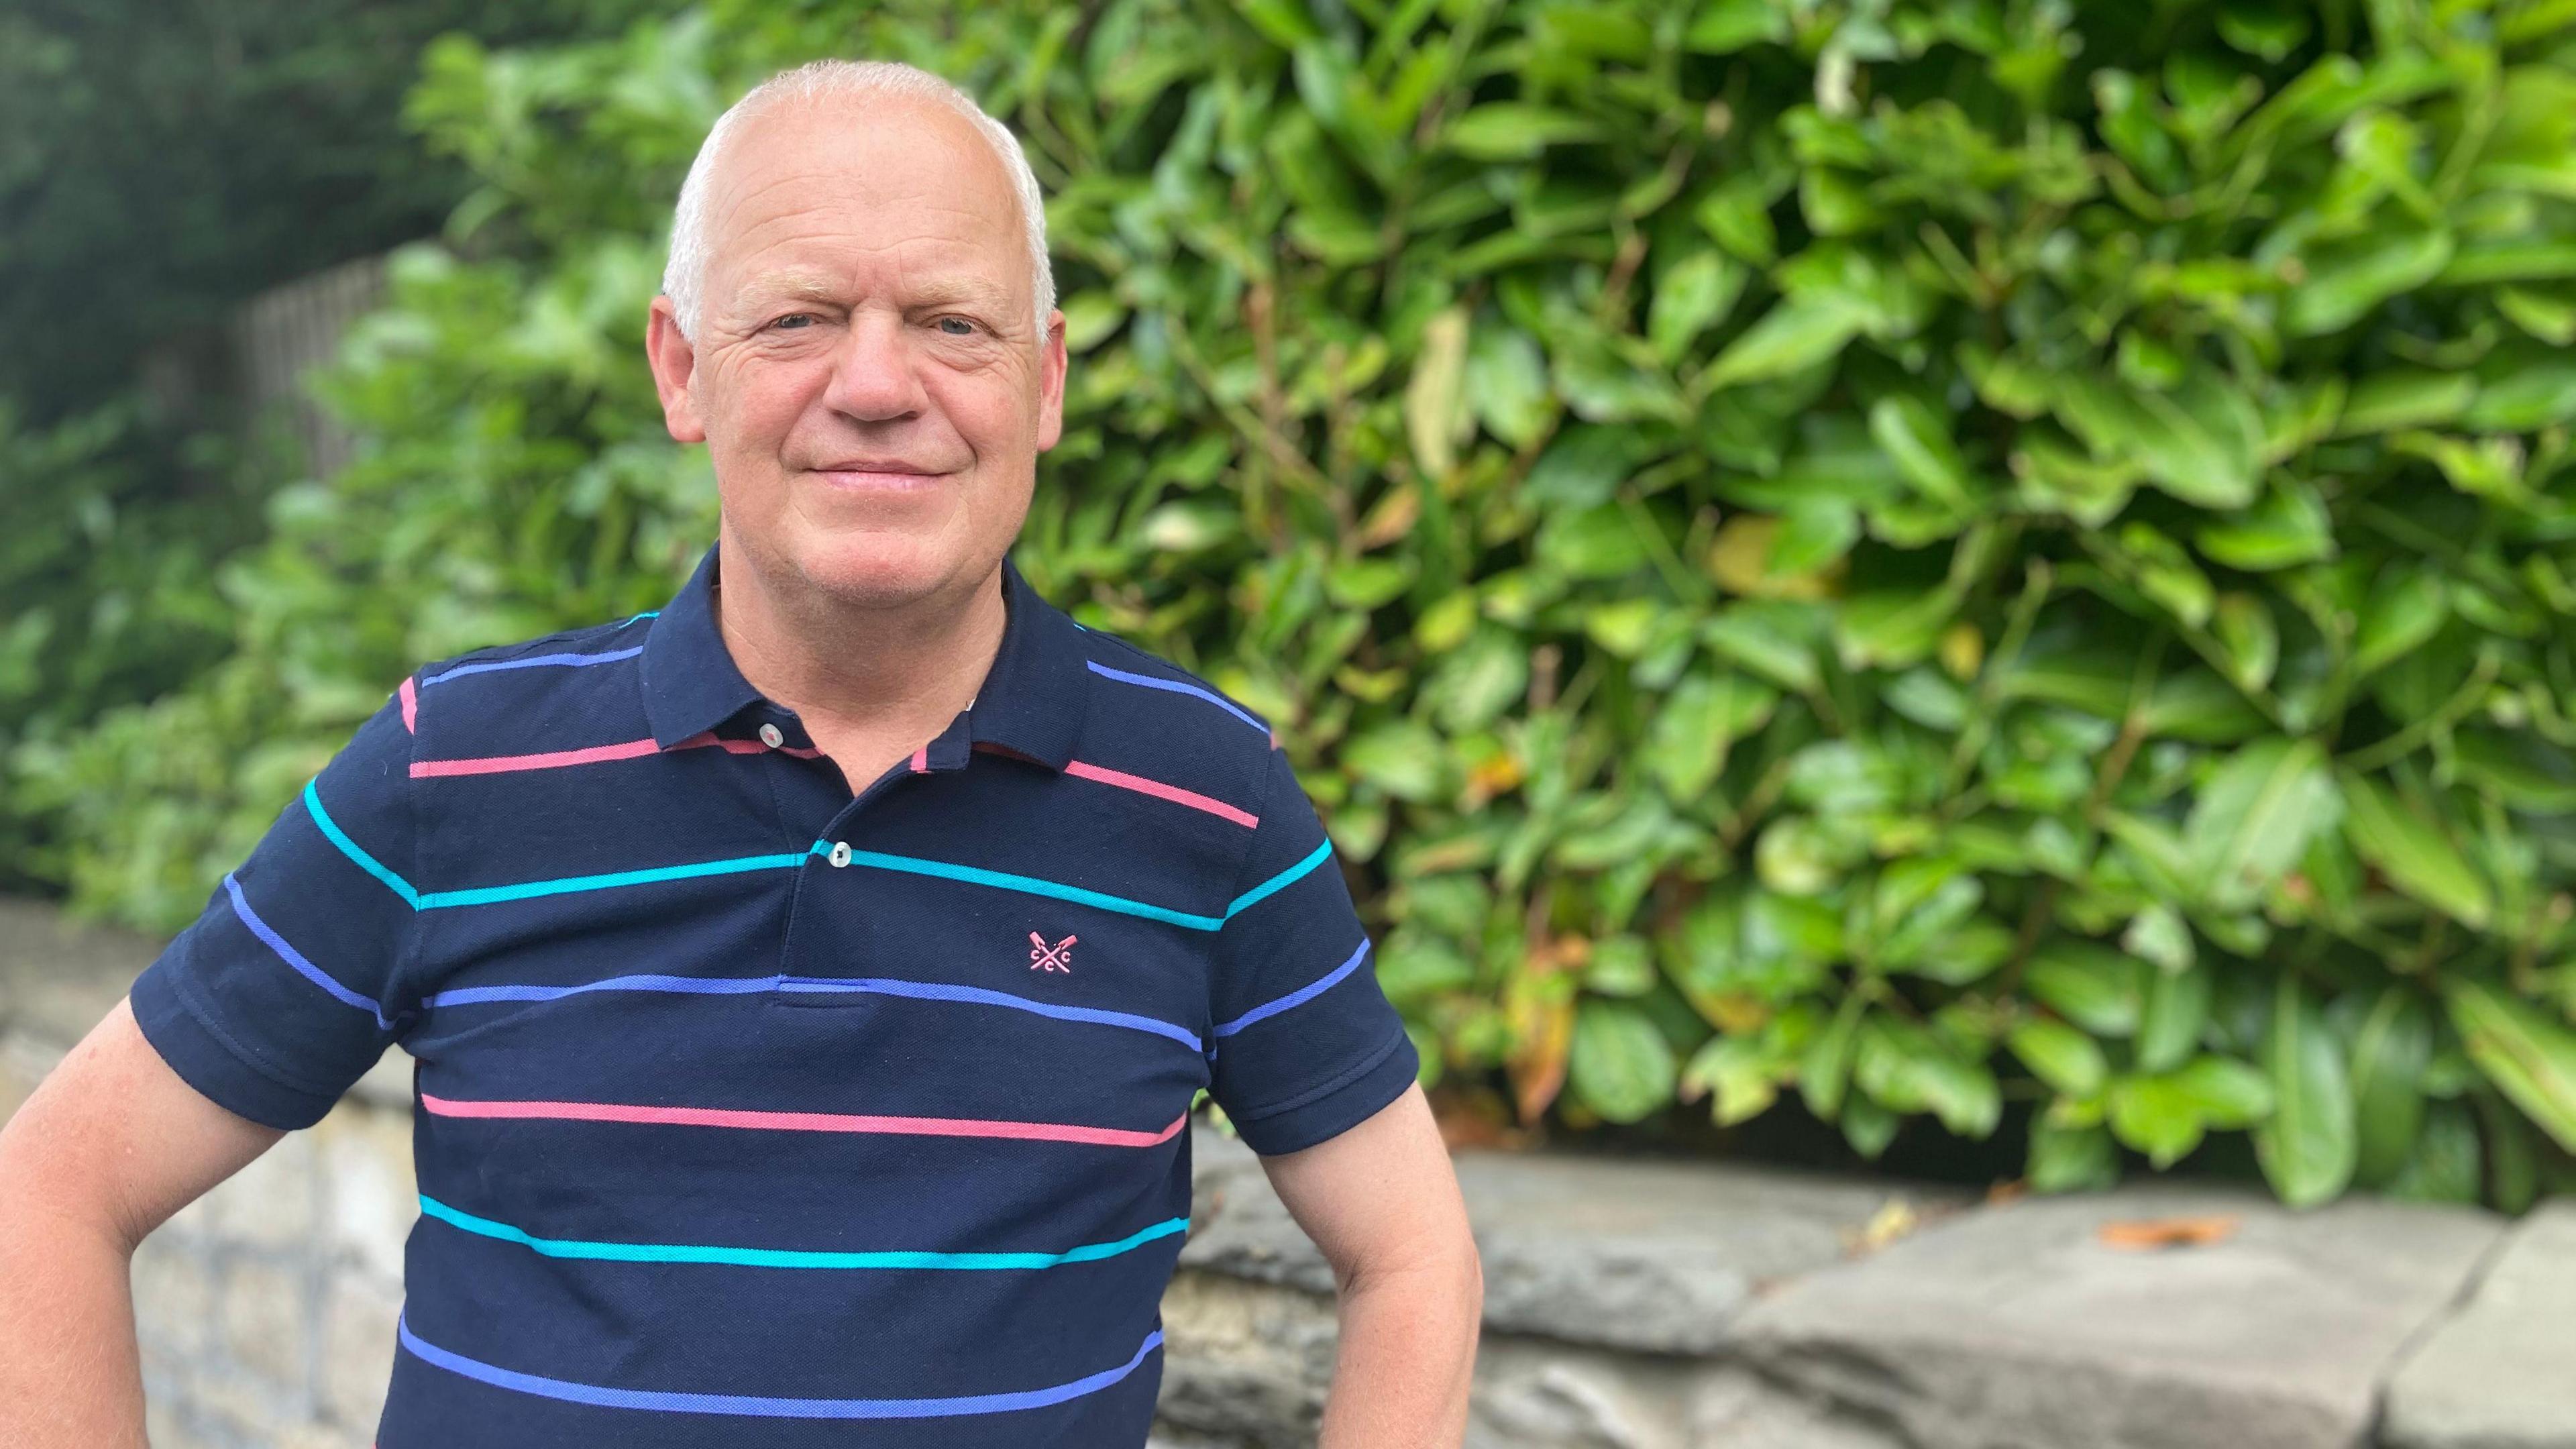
{"type": "Point", "coordinates": [963, 328]}
{"type": "Point", "coordinates": [793, 321]}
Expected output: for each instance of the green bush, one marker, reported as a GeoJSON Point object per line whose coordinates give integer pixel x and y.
{"type": "Point", "coordinates": [1915, 553]}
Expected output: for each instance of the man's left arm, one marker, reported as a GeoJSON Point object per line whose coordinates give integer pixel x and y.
{"type": "Point", "coordinates": [1318, 1076]}
{"type": "Point", "coordinates": [1382, 1204]}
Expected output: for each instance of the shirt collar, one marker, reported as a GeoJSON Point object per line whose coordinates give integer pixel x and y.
{"type": "Point", "coordinates": [1030, 703]}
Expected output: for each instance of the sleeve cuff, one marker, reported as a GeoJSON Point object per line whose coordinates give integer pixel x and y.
{"type": "Point", "coordinates": [208, 1059]}
{"type": "Point", "coordinates": [1335, 1107]}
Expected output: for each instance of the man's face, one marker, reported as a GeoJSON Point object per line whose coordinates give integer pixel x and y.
{"type": "Point", "coordinates": [866, 373]}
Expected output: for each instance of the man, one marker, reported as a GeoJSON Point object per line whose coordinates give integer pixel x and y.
{"type": "Point", "coordinates": [808, 982]}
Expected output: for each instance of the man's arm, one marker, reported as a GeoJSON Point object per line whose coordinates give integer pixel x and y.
{"type": "Point", "coordinates": [1381, 1202]}
{"type": "Point", "coordinates": [109, 1146]}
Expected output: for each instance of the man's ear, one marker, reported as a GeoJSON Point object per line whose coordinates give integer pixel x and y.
{"type": "Point", "coordinates": [674, 363]}
{"type": "Point", "coordinates": [1051, 365]}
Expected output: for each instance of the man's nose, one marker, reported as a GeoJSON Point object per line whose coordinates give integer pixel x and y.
{"type": "Point", "coordinates": [873, 377]}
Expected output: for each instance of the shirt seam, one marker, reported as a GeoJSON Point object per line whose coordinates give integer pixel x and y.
{"type": "Point", "coordinates": [1251, 851]}
{"type": "Point", "coordinates": [1327, 1088]}
{"type": "Point", "coordinates": [248, 1056]}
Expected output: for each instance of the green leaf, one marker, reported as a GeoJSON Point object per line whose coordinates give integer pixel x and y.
{"type": "Point", "coordinates": [1791, 337]}
{"type": "Point", "coordinates": [1907, 1068]}
{"type": "Point", "coordinates": [1723, 27]}
{"type": "Point", "coordinates": [2400, 614]}
{"type": "Point", "coordinates": [2414, 852]}
{"type": "Point", "coordinates": [2289, 525]}
{"type": "Point", "coordinates": [2252, 820]}
{"type": "Point", "coordinates": [2066, 1059]}
{"type": "Point", "coordinates": [1919, 443]}
{"type": "Point", "coordinates": [2070, 1158]}
{"type": "Point", "coordinates": [1403, 758]}
{"type": "Point", "coordinates": [2387, 402]}
{"type": "Point", "coordinates": [2530, 1058]}
{"type": "Point", "coordinates": [1510, 131]}
{"type": "Point", "coordinates": [2177, 1012]}
{"type": "Point", "coordinates": [2156, 1116]}
{"type": "Point", "coordinates": [1707, 712]}
{"type": "Point", "coordinates": [1694, 293]}
{"type": "Point", "coordinates": [2201, 442]}
{"type": "Point", "coordinates": [2309, 1146]}
{"type": "Point", "coordinates": [1621, 1067]}
{"type": "Point", "coordinates": [1507, 384]}
{"type": "Point", "coordinates": [2097, 988]}
{"type": "Point", "coordinates": [2345, 282]}
{"type": "Point", "coordinates": [2391, 1045]}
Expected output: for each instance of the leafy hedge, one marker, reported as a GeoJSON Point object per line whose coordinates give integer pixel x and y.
{"type": "Point", "coordinates": [1912, 553]}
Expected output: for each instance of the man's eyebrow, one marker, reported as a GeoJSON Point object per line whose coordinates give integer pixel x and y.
{"type": "Point", "coordinates": [805, 285]}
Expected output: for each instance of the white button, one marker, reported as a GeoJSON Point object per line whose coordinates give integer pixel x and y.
{"type": "Point", "coordinates": [840, 853]}
{"type": "Point", "coordinates": [770, 736]}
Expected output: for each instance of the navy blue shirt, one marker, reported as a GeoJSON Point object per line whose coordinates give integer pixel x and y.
{"type": "Point", "coordinates": [756, 1110]}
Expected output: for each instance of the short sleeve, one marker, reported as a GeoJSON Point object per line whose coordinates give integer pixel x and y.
{"type": "Point", "coordinates": [1304, 1043]}
{"type": "Point", "coordinates": [277, 998]}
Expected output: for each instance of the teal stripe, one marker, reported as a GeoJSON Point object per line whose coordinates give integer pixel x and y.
{"type": "Point", "coordinates": [788, 1258]}
{"type": "Point", "coordinates": [486, 895]}
{"type": "Point", "coordinates": [349, 848]}
{"type": "Point", "coordinates": [1028, 883]}
{"type": "Point", "coordinates": [1282, 880]}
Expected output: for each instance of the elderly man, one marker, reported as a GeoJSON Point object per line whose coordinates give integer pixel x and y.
{"type": "Point", "coordinates": [808, 982]}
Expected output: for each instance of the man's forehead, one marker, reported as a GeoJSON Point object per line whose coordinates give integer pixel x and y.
{"type": "Point", "coordinates": [941, 281]}
{"type": "Point", "coordinates": [811, 195]}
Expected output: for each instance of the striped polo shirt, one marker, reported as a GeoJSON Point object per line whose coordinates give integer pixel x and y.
{"type": "Point", "coordinates": [759, 1107]}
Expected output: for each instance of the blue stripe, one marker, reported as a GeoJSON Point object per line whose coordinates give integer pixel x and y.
{"type": "Point", "coordinates": [647, 614]}
{"type": "Point", "coordinates": [295, 958]}
{"type": "Point", "coordinates": [1282, 880]}
{"type": "Point", "coordinates": [533, 661]}
{"type": "Point", "coordinates": [1032, 885]}
{"type": "Point", "coordinates": [932, 991]}
{"type": "Point", "coordinates": [1177, 687]}
{"type": "Point", "coordinates": [486, 895]}
{"type": "Point", "coordinates": [349, 848]}
{"type": "Point", "coordinates": [861, 986]}
{"type": "Point", "coordinates": [1295, 998]}
{"type": "Point", "coordinates": [763, 1407]}
{"type": "Point", "coordinates": [790, 1257]}
{"type": "Point", "coordinates": [701, 985]}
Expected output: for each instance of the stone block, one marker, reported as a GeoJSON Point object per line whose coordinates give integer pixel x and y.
{"type": "Point", "coordinates": [271, 1202]}
{"type": "Point", "coordinates": [265, 1317]}
{"type": "Point", "coordinates": [1245, 1364]}
{"type": "Point", "coordinates": [2021, 1328]}
{"type": "Point", "coordinates": [357, 1348]}
{"type": "Point", "coordinates": [60, 977]}
{"type": "Point", "coordinates": [2500, 1373]}
{"type": "Point", "coordinates": [370, 1200]}
{"type": "Point", "coordinates": [1653, 1256]}
{"type": "Point", "coordinates": [174, 1297]}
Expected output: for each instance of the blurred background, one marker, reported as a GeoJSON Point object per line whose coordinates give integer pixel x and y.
{"type": "Point", "coordinates": [1981, 592]}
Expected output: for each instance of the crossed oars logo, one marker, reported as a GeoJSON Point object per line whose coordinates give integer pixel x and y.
{"type": "Point", "coordinates": [1043, 957]}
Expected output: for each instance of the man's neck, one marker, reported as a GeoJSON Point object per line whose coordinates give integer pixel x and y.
{"type": "Point", "coordinates": [892, 676]}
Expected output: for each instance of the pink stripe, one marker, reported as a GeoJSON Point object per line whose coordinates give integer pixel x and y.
{"type": "Point", "coordinates": [551, 760]}
{"type": "Point", "coordinates": [921, 760]}
{"type": "Point", "coordinates": [558, 759]}
{"type": "Point", "coordinates": [803, 1121]}
{"type": "Point", "coordinates": [1161, 791]}
{"type": "Point", "coordinates": [411, 706]}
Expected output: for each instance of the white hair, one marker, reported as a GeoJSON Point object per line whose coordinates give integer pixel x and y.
{"type": "Point", "coordinates": [684, 275]}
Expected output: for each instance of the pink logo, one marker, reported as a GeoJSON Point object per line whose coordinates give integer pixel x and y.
{"type": "Point", "coordinates": [1043, 957]}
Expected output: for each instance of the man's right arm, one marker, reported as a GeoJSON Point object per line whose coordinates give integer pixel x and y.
{"type": "Point", "coordinates": [110, 1145]}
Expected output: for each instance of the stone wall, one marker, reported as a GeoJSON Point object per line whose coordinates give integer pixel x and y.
{"type": "Point", "coordinates": [1629, 1305]}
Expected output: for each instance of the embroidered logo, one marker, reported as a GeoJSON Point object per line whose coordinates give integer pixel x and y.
{"type": "Point", "coordinates": [1043, 957]}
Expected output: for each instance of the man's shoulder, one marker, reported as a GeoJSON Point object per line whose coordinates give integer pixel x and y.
{"type": "Point", "coordinates": [1135, 684]}
{"type": "Point", "coordinates": [606, 642]}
